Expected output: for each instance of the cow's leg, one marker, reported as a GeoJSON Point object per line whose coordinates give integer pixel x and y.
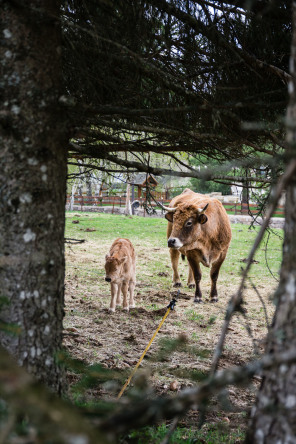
{"type": "Point", "coordinates": [214, 273]}
{"type": "Point", "coordinates": [175, 254]}
{"type": "Point", "coordinates": [118, 298]}
{"type": "Point", "coordinates": [193, 259]}
{"type": "Point", "coordinates": [190, 281]}
{"type": "Point", "coordinates": [131, 292]}
{"type": "Point", "coordinates": [113, 297]}
{"type": "Point", "coordinates": [124, 289]}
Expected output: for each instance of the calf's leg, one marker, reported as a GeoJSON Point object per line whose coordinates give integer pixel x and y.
{"type": "Point", "coordinates": [193, 259]}
{"type": "Point", "coordinates": [113, 297]}
{"type": "Point", "coordinates": [124, 289]}
{"type": "Point", "coordinates": [175, 255]}
{"type": "Point", "coordinates": [131, 292]}
{"type": "Point", "coordinates": [118, 298]}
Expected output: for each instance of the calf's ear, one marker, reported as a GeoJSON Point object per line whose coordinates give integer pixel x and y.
{"type": "Point", "coordinates": [107, 256]}
{"type": "Point", "coordinates": [202, 219]}
{"type": "Point", "coordinates": [123, 260]}
{"type": "Point", "coordinates": [169, 217]}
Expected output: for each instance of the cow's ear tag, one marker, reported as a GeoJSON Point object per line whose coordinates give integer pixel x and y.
{"type": "Point", "coordinates": [202, 219]}
{"type": "Point", "coordinates": [169, 216]}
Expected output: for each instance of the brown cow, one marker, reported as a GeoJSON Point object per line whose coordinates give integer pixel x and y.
{"type": "Point", "coordinates": [199, 228]}
{"type": "Point", "coordinates": [120, 269]}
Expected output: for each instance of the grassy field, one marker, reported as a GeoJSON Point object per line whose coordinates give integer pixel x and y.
{"type": "Point", "coordinates": [116, 341]}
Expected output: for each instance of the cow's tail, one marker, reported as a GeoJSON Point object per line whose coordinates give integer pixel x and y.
{"type": "Point", "coordinates": [183, 257]}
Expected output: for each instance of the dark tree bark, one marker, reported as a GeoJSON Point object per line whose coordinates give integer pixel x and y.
{"type": "Point", "coordinates": [32, 187]}
{"type": "Point", "coordinates": [273, 418]}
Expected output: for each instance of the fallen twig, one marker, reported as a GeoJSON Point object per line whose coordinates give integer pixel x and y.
{"type": "Point", "coordinates": [69, 240]}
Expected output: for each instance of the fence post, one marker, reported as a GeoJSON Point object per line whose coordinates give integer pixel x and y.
{"type": "Point", "coordinates": [244, 208]}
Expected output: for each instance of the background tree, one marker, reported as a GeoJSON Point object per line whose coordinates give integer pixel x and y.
{"type": "Point", "coordinates": [206, 186]}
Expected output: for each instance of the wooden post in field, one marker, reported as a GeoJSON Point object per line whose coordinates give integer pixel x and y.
{"type": "Point", "coordinates": [128, 211]}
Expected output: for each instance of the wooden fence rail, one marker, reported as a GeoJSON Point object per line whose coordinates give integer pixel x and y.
{"type": "Point", "coordinates": [232, 208]}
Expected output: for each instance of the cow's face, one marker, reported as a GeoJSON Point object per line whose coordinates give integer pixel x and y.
{"type": "Point", "coordinates": [187, 222]}
{"type": "Point", "coordinates": [113, 267]}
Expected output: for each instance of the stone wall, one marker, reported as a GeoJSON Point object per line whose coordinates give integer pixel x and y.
{"type": "Point", "coordinates": [275, 222]}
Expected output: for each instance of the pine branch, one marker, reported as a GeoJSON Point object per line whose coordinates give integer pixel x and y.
{"type": "Point", "coordinates": [141, 167]}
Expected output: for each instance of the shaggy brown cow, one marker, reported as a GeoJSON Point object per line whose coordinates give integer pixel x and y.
{"type": "Point", "coordinates": [120, 269]}
{"type": "Point", "coordinates": [199, 228]}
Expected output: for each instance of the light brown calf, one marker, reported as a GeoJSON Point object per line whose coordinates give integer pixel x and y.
{"type": "Point", "coordinates": [120, 269]}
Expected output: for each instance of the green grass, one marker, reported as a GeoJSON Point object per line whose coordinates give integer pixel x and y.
{"type": "Point", "coordinates": [193, 316]}
{"type": "Point", "coordinates": [110, 226]}
{"type": "Point", "coordinates": [267, 255]}
{"type": "Point", "coordinates": [207, 435]}
{"type": "Point", "coordinates": [152, 232]}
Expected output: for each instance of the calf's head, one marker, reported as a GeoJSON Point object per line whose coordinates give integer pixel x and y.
{"type": "Point", "coordinates": [113, 267]}
{"type": "Point", "coordinates": [187, 221]}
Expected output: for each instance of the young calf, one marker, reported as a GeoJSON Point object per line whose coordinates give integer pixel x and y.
{"type": "Point", "coordinates": [120, 269]}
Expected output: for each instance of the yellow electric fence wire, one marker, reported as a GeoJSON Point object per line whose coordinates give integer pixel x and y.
{"type": "Point", "coordinates": [143, 354]}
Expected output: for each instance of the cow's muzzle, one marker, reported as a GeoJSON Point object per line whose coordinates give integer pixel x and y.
{"type": "Point", "coordinates": [107, 279]}
{"type": "Point", "coordinates": [174, 242]}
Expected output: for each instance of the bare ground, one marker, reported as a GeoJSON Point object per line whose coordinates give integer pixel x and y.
{"type": "Point", "coordinates": [118, 340]}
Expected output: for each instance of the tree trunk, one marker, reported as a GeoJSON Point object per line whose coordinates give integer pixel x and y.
{"type": "Point", "coordinates": [273, 418]}
{"type": "Point", "coordinates": [32, 188]}
{"type": "Point", "coordinates": [89, 185]}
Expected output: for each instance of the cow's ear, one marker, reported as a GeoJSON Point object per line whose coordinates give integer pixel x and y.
{"type": "Point", "coordinates": [123, 260]}
{"type": "Point", "coordinates": [202, 219]}
{"type": "Point", "coordinates": [169, 217]}
{"type": "Point", "coordinates": [107, 256]}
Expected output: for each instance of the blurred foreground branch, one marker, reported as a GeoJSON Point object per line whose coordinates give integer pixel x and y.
{"type": "Point", "coordinates": [237, 299]}
{"type": "Point", "coordinates": [54, 418]}
{"type": "Point", "coordinates": [153, 411]}
{"type": "Point", "coordinates": [49, 413]}
{"type": "Point", "coordinates": [203, 173]}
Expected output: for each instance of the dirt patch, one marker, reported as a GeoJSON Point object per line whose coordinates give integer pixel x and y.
{"type": "Point", "coordinates": [117, 340]}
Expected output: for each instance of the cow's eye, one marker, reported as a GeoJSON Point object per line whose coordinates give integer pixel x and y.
{"type": "Point", "coordinates": [188, 223]}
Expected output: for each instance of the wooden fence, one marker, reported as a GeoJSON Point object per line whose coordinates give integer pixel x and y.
{"type": "Point", "coordinates": [118, 201]}
{"type": "Point", "coordinates": [247, 209]}
{"type": "Point", "coordinates": [97, 201]}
